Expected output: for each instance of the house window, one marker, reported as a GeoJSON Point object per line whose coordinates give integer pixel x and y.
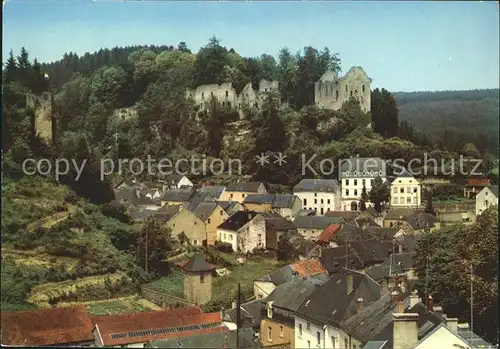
{"type": "Point", "coordinates": [345, 88]}
{"type": "Point", "coordinates": [308, 344]}
{"type": "Point", "coordinates": [333, 342]}
{"type": "Point", "coordinates": [355, 182]}
{"type": "Point", "coordinates": [269, 334]}
{"type": "Point", "coordinates": [321, 200]}
{"type": "Point", "coordinates": [346, 182]}
{"type": "Point", "coordinates": [202, 97]}
{"type": "Point", "coordinates": [318, 337]}
{"type": "Point", "coordinates": [395, 190]}
{"type": "Point", "coordinates": [195, 242]}
{"type": "Point", "coordinates": [402, 190]}
{"type": "Point", "coordinates": [229, 104]}
{"type": "Point", "coordinates": [208, 221]}
{"type": "Point", "coordinates": [363, 88]}
{"type": "Point", "coordinates": [202, 278]}
{"type": "Point", "coordinates": [415, 189]}
{"type": "Point", "coordinates": [408, 200]}
{"type": "Point", "coordinates": [485, 202]}
{"type": "Point", "coordinates": [230, 237]}
{"type": "Point", "coordinates": [173, 225]}
{"type": "Point", "coordinates": [201, 105]}
{"type": "Point", "coordinates": [282, 331]}
{"type": "Point", "coordinates": [347, 192]}
{"type": "Point", "coordinates": [308, 326]}
{"type": "Point", "coordinates": [221, 212]}
{"type": "Point", "coordinates": [395, 201]}
{"type": "Point", "coordinates": [363, 182]}
{"type": "Point", "coordinates": [322, 212]}
{"type": "Point", "coordinates": [227, 93]}
{"type": "Point", "coordinates": [351, 93]}
{"type": "Point", "coordinates": [222, 103]}
{"type": "Point", "coordinates": [337, 94]}
{"type": "Point", "coordinates": [305, 202]}
{"type": "Point", "coordinates": [300, 329]}
{"type": "Point", "coordinates": [327, 201]}
{"type": "Point", "coordinates": [408, 190]}
{"type": "Point", "coordinates": [231, 196]}
{"type": "Point", "coordinates": [315, 201]}
{"type": "Point", "coordinates": [355, 192]}
{"type": "Point", "coordinates": [242, 195]}
{"type": "Point", "coordinates": [212, 93]}
{"type": "Point", "coordinates": [315, 194]}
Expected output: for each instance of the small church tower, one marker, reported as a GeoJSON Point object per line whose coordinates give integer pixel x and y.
{"type": "Point", "coordinates": [197, 280]}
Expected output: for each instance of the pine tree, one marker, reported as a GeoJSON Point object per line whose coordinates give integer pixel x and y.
{"type": "Point", "coordinates": [364, 199]}
{"type": "Point", "coordinates": [11, 68]}
{"type": "Point", "coordinates": [428, 204]}
{"type": "Point", "coordinates": [379, 194]}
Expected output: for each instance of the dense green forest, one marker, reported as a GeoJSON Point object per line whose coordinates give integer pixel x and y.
{"type": "Point", "coordinates": [449, 117]}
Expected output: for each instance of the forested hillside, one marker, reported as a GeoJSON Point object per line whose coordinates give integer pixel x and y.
{"type": "Point", "coordinates": [454, 116]}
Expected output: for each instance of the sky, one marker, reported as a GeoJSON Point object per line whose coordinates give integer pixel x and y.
{"type": "Point", "coordinates": [402, 46]}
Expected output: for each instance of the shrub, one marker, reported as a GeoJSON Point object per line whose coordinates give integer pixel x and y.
{"type": "Point", "coordinates": [223, 247]}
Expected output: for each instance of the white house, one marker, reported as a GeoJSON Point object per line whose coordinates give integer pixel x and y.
{"type": "Point", "coordinates": [356, 173]}
{"type": "Point", "coordinates": [244, 230]}
{"type": "Point", "coordinates": [406, 191]}
{"type": "Point", "coordinates": [486, 198]}
{"type": "Point", "coordinates": [321, 195]}
{"type": "Point", "coordinates": [176, 181]}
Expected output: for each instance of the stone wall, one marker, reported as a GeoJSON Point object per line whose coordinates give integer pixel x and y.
{"type": "Point", "coordinates": [162, 299]}
{"type": "Point", "coordinates": [331, 91]}
{"type": "Point", "coordinates": [227, 96]}
{"type": "Point", "coordinates": [42, 108]}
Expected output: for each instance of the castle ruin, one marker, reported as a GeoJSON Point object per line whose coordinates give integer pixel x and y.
{"type": "Point", "coordinates": [42, 108]}
{"type": "Point", "coordinates": [331, 92]}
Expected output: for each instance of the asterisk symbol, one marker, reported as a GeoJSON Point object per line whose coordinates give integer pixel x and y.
{"type": "Point", "coordinates": [262, 159]}
{"type": "Point", "coordinates": [280, 159]}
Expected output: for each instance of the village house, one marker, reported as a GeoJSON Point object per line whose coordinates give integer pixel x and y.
{"type": "Point", "coordinates": [245, 231]}
{"type": "Point", "coordinates": [286, 205]}
{"type": "Point", "coordinates": [239, 191]}
{"type": "Point", "coordinates": [487, 197]}
{"type": "Point", "coordinates": [180, 196]}
{"type": "Point", "coordinates": [138, 329]}
{"type": "Point", "coordinates": [320, 195]}
{"type": "Point", "coordinates": [276, 227]}
{"type": "Point", "coordinates": [356, 173]}
{"type": "Point", "coordinates": [197, 279]}
{"type": "Point", "coordinates": [231, 206]}
{"type": "Point", "coordinates": [317, 320]}
{"type": "Point", "coordinates": [263, 286]}
{"type": "Point", "coordinates": [177, 181]}
{"type": "Point", "coordinates": [312, 226]}
{"type": "Point", "coordinates": [250, 315]}
{"type": "Point", "coordinates": [277, 324]}
{"type": "Point", "coordinates": [413, 223]}
{"type": "Point", "coordinates": [71, 326]}
{"type": "Point", "coordinates": [135, 197]}
{"type": "Point", "coordinates": [474, 185]}
{"type": "Point", "coordinates": [300, 247]}
{"type": "Point", "coordinates": [215, 191]}
{"type": "Point", "coordinates": [406, 191]}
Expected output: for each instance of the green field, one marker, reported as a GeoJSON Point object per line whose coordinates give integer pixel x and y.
{"type": "Point", "coordinates": [126, 305]}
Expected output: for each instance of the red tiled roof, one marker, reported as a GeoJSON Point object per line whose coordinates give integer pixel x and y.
{"type": "Point", "coordinates": [49, 326]}
{"type": "Point", "coordinates": [116, 324]}
{"type": "Point", "coordinates": [478, 181]}
{"type": "Point", "coordinates": [327, 234]}
{"type": "Point", "coordinates": [308, 267]}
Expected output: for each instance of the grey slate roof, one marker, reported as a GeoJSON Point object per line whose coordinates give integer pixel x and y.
{"type": "Point", "coordinates": [376, 345]}
{"type": "Point", "coordinates": [373, 320]}
{"type": "Point", "coordinates": [397, 263]}
{"type": "Point", "coordinates": [204, 210]}
{"type": "Point", "coordinates": [215, 191]}
{"type": "Point", "coordinates": [319, 307]}
{"type": "Point", "coordinates": [275, 200]}
{"type": "Point", "coordinates": [421, 220]}
{"type": "Point", "coordinates": [277, 221]}
{"type": "Point", "coordinates": [494, 189]}
{"type": "Point", "coordinates": [250, 314]}
{"type": "Point", "coordinates": [363, 166]}
{"type": "Point", "coordinates": [317, 185]}
{"type": "Point", "coordinates": [210, 340]}
{"type": "Point", "coordinates": [199, 198]}
{"type": "Point", "coordinates": [229, 206]}
{"type": "Point", "coordinates": [403, 173]}
{"type": "Point", "coordinates": [305, 212]}
{"type": "Point", "coordinates": [173, 179]}
{"type": "Point", "coordinates": [179, 195]}
{"type": "Point", "coordinates": [170, 210]}
{"type": "Point", "coordinates": [197, 263]}
{"type": "Point", "coordinates": [383, 233]}
{"type": "Point", "coordinates": [334, 259]}
{"type": "Point", "coordinates": [291, 294]}
{"type": "Point", "coordinates": [472, 338]}
{"type": "Point", "coordinates": [238, 220]}
{"type": "Point", "coordinates": [316, 222]}
{"type": "Point", "coordinates": [248, 187]}
{"type": "Point", "coordinates": [280, 276]}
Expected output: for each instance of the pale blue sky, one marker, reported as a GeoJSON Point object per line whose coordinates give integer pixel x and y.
{"type": "Point", "coordinates": [403, 46]}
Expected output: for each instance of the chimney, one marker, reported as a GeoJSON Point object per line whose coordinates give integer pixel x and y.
{"type": "Point", "coordinates": [438, 310]}
{"type": "Point", "coordinates": [405, 334]}
{"type": "Point", "coordinates": [400, 248]}
{"type": "Point", "coordinates": [414, 299]}
{"type": "Point", "coordinates": [350, 284]}
{"type": "Point", "coordinates": [233, 305]}
{"type": "Point", "coordinates": [394, 296]}
{"type": "Point", "coordinates": [452, 324]}
{"type": "Point", "coordinates": [360, 305]}
{"type": "Point", "coordinates": [249, 216]}
{"type": "Point", "coordinates": [400, 307]}
{"type": "Point", "coordinates": [430, 303]}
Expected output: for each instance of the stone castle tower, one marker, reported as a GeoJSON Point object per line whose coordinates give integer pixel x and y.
{"type": "Point", "coordinates": [331, 91]}
{"type": "Point", "coordinates": [197, 280]}
{"type": "Point", "coordinates": [44, 124]}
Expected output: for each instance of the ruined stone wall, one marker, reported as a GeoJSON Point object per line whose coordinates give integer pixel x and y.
{"type": "Point", "coordinates": [42, 108]}
{"type": "Point", "coordinates": [227, 96]}
{"type": "Point", "coordinates": [331, 91]}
